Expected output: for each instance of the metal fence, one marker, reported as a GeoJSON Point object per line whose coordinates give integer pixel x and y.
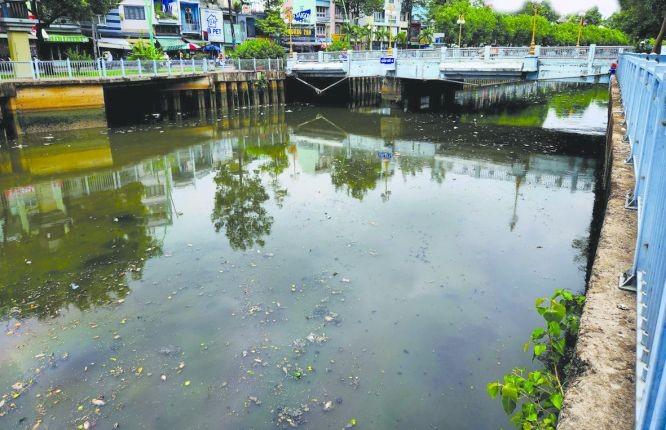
{"type": "Point", "coordinates": [643, 84]}
{"type": "Point", "coordinates": [486, 53]}
{"type": "Point", "coordinates": [65, 69]}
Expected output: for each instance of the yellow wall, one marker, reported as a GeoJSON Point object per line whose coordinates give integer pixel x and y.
{"type": "Point", "coordinates": [45, 98]}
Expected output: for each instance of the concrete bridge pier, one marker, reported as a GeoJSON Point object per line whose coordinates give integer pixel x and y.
{"type": "Point", "coordinates": [223, 96]}
{"type": "Point", "coordinates": [233, 95]}
{"type": "Point", "coordinates": [274, 92]}
{"type": "Point", "coordinates": [255, 94]}
{"type": "Point", "coordinates": [281, 95]}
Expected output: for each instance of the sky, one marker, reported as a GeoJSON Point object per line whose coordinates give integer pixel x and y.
{"type": "Point", "coordinates": [563, 7]}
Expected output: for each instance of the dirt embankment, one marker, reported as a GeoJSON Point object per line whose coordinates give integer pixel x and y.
{"type": "Point", "coordinates": [602, 395]}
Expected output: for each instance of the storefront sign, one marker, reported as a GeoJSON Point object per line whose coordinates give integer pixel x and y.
{"type": "Point", "coordinates": [212, 22]}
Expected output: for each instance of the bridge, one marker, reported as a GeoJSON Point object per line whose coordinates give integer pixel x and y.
{"type": "Point", "coordinates": [461, 64]}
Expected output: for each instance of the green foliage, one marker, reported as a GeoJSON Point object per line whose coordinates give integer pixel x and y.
{"type": "Point", "coordinates": [540, 393]}
{"type": "Point", "coordinates": [484, 26]}
{"type": "Point", "coordinates": [359, 7]}
{"type": "Point", "coordinates": [401, 39]}
{"type": "Point", "coordinates": [273, 24]}
{"type": "Point", "coordinates": [47, 11]}
{"type": "Point", "coordinates": [239, 199]}
{"type": "Point", "coordinates": [258, 48]}
{"type": "Point", "coordinates": [145, 51]}
{"type": "Point", "coordinates": [545, 9]}
{"type": "Point", "coordinates": [639, 18]}
{"type": "Point", "coordinates": [75, 55]}
{"type": "Point", "coordinates": [339, 45]}
{"type": "Point", "coordinates": [593, 16]}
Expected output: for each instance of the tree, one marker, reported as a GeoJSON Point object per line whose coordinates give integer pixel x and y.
{"type": "Point", "coordinates": [656, 49]}
{"type": "Point", "coordinates": [273, 24]}
{"type": "Point", "coordinates": [46, 12]}
{"type": "Point", "coordinates": [360, 7]}
{"type": "Point", "coordinates": [357, 174]}
{"type": "Point", "coordinates": [545, 9]}
{"type": "Point", "coordinates": [259, 48]}
{"type": "Point", "coordinates": [639, 18]}
{"type": "Point", "coordinates": [239, 199]}
{"type": "Point", "coordinates": [593, 16]}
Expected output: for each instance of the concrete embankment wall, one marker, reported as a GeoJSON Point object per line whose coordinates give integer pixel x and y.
{"type": "Point", "coordinates": [601, 389]}
{"type": "Point", "coordinates": [51, 105]}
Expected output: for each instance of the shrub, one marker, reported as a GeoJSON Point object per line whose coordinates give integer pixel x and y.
{"type": "Point", "coordinates": [145, 51]}
{"type": "Point", "coordinates": [339, 45]}
{"type": "Point", "coordinates": [75, 55]}
{"type": "Point", "coordinates": [258, 48]}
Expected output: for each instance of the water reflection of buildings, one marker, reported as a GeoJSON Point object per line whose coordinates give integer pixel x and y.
{"type": "Point", "coordinates": [41, 208]}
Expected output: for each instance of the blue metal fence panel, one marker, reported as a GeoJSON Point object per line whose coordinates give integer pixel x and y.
{"type": "Point", "coordinates": [643, 85]}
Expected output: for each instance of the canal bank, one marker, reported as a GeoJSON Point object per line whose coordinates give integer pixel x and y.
{"type": "Point", "coordinates": [600, 392]}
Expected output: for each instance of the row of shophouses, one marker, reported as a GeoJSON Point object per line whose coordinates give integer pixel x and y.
{"type": "Point", "coordinates": [177, 23]}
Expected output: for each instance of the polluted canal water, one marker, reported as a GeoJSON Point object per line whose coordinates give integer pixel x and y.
{"type": "Point", "coordinates": [312, 267]}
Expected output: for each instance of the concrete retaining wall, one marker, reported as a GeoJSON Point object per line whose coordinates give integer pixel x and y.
{"type": "Point", "coordinates": [601, 395]}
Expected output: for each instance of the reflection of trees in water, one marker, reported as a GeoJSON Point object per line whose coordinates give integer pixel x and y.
{"type": "Point", "coordinates": [411, 166]}
{"type": "Point", "coordinates": [87, 267]}
{"type": "Point", "coordinates": [575, 102]}
{"type": "Point", "coordinates": [358, 173]}
{"type": "Point", "coordinates": [238, 205]}
{"type": "Point", "coordinates": [277, 163]}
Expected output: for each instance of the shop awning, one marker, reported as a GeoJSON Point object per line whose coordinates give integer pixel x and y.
{"type": "Point", "coordinates": [66, 38]}
{"type": "Point", "coordinates": [196, 41]}
{"type": "Point", "coordinates": [114, 43]}
{"type": "Point", "coordinates": [170, 43]}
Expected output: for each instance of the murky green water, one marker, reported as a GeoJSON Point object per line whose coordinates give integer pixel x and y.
{"type": "Point", "coordinates": [366, 265]}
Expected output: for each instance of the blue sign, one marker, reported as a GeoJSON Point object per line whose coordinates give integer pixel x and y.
{"type": "Point", "coordinates": [303, 16]}
{"type": "Point", "coordinates": [384, 155]}
{"type": "Point", "coordinates": [387, 60]}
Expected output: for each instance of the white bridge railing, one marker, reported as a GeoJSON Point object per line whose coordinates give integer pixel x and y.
{"type": "Point", "coordinates": [100, 69]}
{"type": "Point", "coordinates": [486, 53]}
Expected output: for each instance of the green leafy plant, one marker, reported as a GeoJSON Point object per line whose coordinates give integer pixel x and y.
{"type": "Point", "coordinates": [75, 55]}
{"type": "Point", "coordinates": [145, 51]}
{"type": "Point", "coordinates": [258, 48]}
{"type": "Point", "coordinates": [540, 393]}
{"type": "Point", "coordinates": [339, 45]}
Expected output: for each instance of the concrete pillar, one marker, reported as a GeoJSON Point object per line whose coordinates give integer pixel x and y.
{"type": "Point", "coordinates": [281, 94]}
{"type": "Point", "coordinates": [19, 50]}
{"type": "Point", "coordinates": [255, 94]}
{"type": "Point", "coordinates": [274, 93]}
{"type": "Point", "coordinates": [245, 93]}
{"type": "Point", "coordinates": [201, 102]}
{"type": "Point", "coordinates": [233, 90]}
{"type": "Point", "coordinates": [177, 107]}
{"type": "Point", "coordinates": [164, 103]}
{"type": "Point", "coordinates": [224, 101]}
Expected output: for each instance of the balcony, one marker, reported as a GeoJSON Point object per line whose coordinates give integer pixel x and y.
{"type": "Point", "coordinates": [14, 9]}
{"type": "Point", "coordinates": [191, 28]}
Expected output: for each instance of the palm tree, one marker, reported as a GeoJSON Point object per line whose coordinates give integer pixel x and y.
{"type": "Point", "coordinates": [381, 34]}
{"type": "Point", "coordinates": [401, 39]}
{"type": "Point", "coordinates": [426, 36]}
{"type": "Point", "coordinates": [365, 34]}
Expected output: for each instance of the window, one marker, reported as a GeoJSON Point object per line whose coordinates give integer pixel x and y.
{"type": "Point", "coordinates": [339, 13]}
{"type": "Point", "coordinates": [322, 12]}
{"type": "Point", "coordinates": [378, 17]}
{"type": "Point", "coordinates": [136, 13]}
{"type": "Point", "coordinates": [321, 30]}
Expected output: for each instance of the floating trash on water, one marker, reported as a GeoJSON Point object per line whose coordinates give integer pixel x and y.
{"type": "Point", "coordinates": [74, 286]}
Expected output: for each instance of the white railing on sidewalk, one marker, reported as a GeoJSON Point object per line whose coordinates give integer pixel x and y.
{"type": "Point", "coordinates": [100, 69]}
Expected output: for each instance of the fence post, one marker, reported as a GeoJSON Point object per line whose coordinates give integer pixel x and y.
{"type": "Point", "coordinates": [590, 58]}
{"type": "Point", "coordinates": [320, 56]}
{"type": "Point", "coordinates": [98, 65]}
{"type": "Point", "coordinates": [138, 66]}
{"type": "Point", "coordinates": [239, 64]}
{"type": "Point", "coordinates": [537, 50]}
{"type": "Point", "coordinates": [122, 67]}
{"type": "Point", "coordinates": [69, 68]}
{"type": "Point", "coordinates": [194, 66]}
{"type": "Point", "coordinates": [154, 67]}
{"type": "Point", "coordinates": [36, 73]}
{"type": "Point", "coordinates": [269, 64]}
{"type": "Point", "coordinates": [169, 67]}
{"type": "Point", "coordinates": [103, 67]}
{"type": "Point", "coordinates": [205, 65]}
{"type": "Point", "coordinates": [182, 67]}
{"type": "Point", "coordinates": [486, 52]}
{"type": "Point", "coordinates": [254, 63]}
{"type": "Point", "coordinates": [443, 53]}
